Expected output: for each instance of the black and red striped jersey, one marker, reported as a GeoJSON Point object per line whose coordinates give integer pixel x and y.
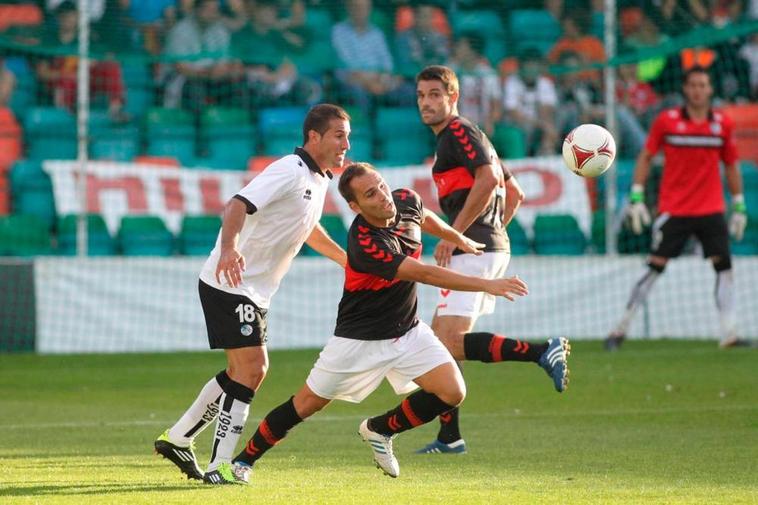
{"type": "Point", "coordinates": [375, 305]}
{"type": "Point", "coordinates": [462, 148]}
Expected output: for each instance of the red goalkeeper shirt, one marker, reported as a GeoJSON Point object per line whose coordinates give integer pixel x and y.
{"type": "Point", "coordinates": [691, 184]}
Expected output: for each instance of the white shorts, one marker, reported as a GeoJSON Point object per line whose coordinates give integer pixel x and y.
{"type": "Point", "coordinates": [489, 265]}
{"type": "Point", "coordinates": [350, 370]}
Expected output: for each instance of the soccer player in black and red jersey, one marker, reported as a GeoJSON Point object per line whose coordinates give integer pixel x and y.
{"type": "Point", "coordinates": [694, 138]}
{"type": "Point", "coordinates": [479, 196]}
{"type": "Point", "coordinates": [378, 333]}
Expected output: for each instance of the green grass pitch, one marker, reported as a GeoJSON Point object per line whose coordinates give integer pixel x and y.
{"type": "Point", "coordinates": [659, 422]}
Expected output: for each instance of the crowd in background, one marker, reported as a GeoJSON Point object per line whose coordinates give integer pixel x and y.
{"type": "Point", "coordinates": [252, 53]}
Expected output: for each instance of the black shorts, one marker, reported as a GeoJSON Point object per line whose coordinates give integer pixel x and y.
{"type": "Point", "coordinates": [233, 321]}
{"type": "Point", "coordinates": [670, 234]}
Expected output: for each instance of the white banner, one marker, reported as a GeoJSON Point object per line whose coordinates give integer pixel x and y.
{"type": "Point", "coordinates": [151, 304]}
{"type": "Point", "coordinates": [117, 189]}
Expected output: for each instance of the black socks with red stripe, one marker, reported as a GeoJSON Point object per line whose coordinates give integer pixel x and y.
{"type": "Point", "coordinates": [272, 429]}
{"type": "Point", "coordinates": [419, 408]}
{"type": "Point", "coordinates": [450, 430]}
{"type": "Point", "coordinates": [491, 348]}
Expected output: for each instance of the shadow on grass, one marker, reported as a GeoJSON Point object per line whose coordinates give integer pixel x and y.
{"type": "Point", "coordinates": [89, 489]}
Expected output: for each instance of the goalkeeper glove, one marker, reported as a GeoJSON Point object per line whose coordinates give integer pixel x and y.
{"type": "Point", "coordinates": [738, 219]}
{"type": "Point", "coordinates": [639, 216]}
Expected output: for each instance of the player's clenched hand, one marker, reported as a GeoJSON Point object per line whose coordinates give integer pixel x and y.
{"type": "Point", "coordinates": [467, 245]}
{"type": "Point", "coordinates": [508, 287]}
{"type": "Point", "coordinates": [443, 252]}
{"type": "Point", "coordinates": [232, 264]}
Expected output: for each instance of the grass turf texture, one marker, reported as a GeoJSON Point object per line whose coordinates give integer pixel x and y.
{"type": "Point", "coordinates": [658, 422]}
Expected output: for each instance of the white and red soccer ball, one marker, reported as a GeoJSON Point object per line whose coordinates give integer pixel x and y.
{"type": "Point", "coordinates": [589, 150]}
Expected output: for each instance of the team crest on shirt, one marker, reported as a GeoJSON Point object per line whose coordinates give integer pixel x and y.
{"type": "Point", "coordinates": [246, 330]}
{"type": "Point", "coordinates": [680, 126]}
{"type": "Point", "coordinates": [716, 128]}
{"type": "Point", "coordinates": [307, 195]}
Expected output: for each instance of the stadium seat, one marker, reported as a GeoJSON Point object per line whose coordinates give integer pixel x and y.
{"type": "Point", "coordinates": [400, 121]}
{"type": "Point", "coordinates": [26, 14]}
{"type": "Point", "coordinates": [24, 235]}
{"type": "Point", "coordinates": [598, 231]}
{"type": "Point", "coordinates": [335, 227]}
{"type": "Point", "coordinates": [318, 58]}
{"type": "Point", "coordinates": [144, 236]}
{"type": "Point", "coordinates": [139, 88]}
{"type": "Point", "coordinates": [485, 22]}
{"type": "Point", "coordinates": [398, 150]}
{"type": "Point", "coordinates": [163, 161]}
{"type": "Point", "coordinates": [50, 133]}
{"type": "Point", "coordinates": [259, 163]}
{"type": "Point", "coordinates": [361, 146]}
{"type": "Point", "coordinates": [558, 234]}
{"type": "Point", "coordinates": [171, 132]}
{"type": "Point", "coordinates": [228, 136]}
{"type": "Point", "coordinates": [276, 125]}
{"type": "Point", "coordinates": [109, 141]}
{"type": "Point", "coordinates": [403, 139]}
{"type": "Point", "coordinates": [518, 238]}
{"type": "Point", "coordinates": [198, 234]}
{"type": "Point", "coordinates": [32, 191]}
{"type": "Point", "coordinates": [99, 241]}
{"type": "Point", "coordinates": [509, 142]}
{"type": "Point", "coordinates": [533, 28]}
{"type": "Point", "coordinates": [10, 139]}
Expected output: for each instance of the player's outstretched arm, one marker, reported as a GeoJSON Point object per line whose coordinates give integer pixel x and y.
{"type": "Point", "coordinates": [433, 225]}
{"type": "Point", "coordinates": [231, 262]}
{"type": "Point", "coordinates": [413, 270]}
{"type": "Point", "coordinates": [323, 244]}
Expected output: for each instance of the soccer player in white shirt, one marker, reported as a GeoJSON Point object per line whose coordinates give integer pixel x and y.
{"type": "Point", "coordinates": [264, 227]}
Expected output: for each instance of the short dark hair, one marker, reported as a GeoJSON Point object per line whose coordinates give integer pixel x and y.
{"type": "Point", "coordinates": [352, 171]}
{"type": "Point", "coordinates": [697, 69]}
{"type": "Point", "coordinates": [441, 73]}
{"type": "Point", "coordinates": [319, 116]}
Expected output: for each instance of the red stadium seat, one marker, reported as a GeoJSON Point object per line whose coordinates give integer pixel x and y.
{"type": "Point", "coordinates": [19, 15]}
{"type": "Point", "coordinates": [404, 20]}
{"type": "Point", "coordinates": [10, 139]}
{"type": "Point", "coordinates": [165, 161]}
{"type": "Point", "coordinates": [258, 163]}
{"type": "Point", "coordinates": [745, 119]}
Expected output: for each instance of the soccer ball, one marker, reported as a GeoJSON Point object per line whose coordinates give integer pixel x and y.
{"type": "Point", "coordinates": [589, 150]}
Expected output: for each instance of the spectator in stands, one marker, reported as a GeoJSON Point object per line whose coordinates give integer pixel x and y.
{"type": "Point", "coordinates": [233, 12]}
{"type": "Point", "coordinates": [480, 95]}
{"type": "Point", "coordinates": [749, 53]}
{"type": "Point", "coordinates": [582, 102]}
{"type": "Point", "coordinates": [676, 16]}
{"type": "Point", "coordinates": [264, 49]}
{"type": "Point", "coordinates": [209, 74]}
{"type": "Point", "coordinates": [648, 35]}
{"type": "Point", "coordinates": [151, 19]}
{"type": "Point", "coordinates": [365, 71]}
{"type": "Point", "coordinates": [576, 24]}
{"type": "Point", "coordinates": [637, 95]}
{"type": "Point", "coordinates": [7, 82]}
{"type": "Point", "coordinates": [59, 74]}
{"type": "Point", "coordinates": [530, 101]}
{"type": "Point", "coordinates": [421, 45]}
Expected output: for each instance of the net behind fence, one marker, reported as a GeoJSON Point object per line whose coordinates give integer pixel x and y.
{"type": "Point", "coordinates": [190, 100]}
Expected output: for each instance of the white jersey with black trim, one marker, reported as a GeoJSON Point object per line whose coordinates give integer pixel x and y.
{"type": "Point", "coordinates": [287, 198]}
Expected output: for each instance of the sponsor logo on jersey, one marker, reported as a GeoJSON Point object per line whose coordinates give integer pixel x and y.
{"type": "Point", "coordinates": [307, 195]}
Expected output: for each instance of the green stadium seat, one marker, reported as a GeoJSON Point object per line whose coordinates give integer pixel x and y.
{"type": "Point", "coordinates": [24, 95]}
{"type": "Point", "coordinates": [276, 125]}
{"type": "Point", "coordinates": [335, 227]}
{"type": "Point", "coordinates": [485, 22]}
{"type": "Point", "coordinates": [400, 121]}
{"type": "Point", "coordinates": [24, 235]}
{"type": "Point", "coordinates": [533, 28]}
{"type": "Point", "coordinates": [99, 241]}
{"type": "Point", "coordinates": [228, 136]}
{"type": "Point", "coordinates": [318, 58]}
{"type": "Point", "coordinates": [144, 236]}
{"type": "Point", "coordinates": [748, 246]}
{"type": "Point", "coordinates": [558, 234]}
{"type": "Point", "coordinates": [198, 234]}
{"type": "Point", "coordinates": [509, 142]}
{"type": "Point", "coordinates": [598, 231]}
{"type": "Point", "coordinates": [518, 238]}
{"type": "Point", "coordinates": [361, 147]}
{"type": "Point", "coordinates": [139, 88]}
{"type": "Point", "coordinates": [405, 150]}
{"type": "Point", "coordinates": [117, 143]}
{"type": "Point", "coordinates": [409, 142]}
{"type": "Point", "coordinates": [171, 132]}
{"type": "Point", "coordinates": [32, 191]}
{"type": "Point", "coordinates": [50, 133]}
{"type": "Point", "coordinates": [319, 21]}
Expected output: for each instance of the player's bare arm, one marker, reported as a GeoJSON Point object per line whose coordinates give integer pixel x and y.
{"type": "Point", "coordinates": [231, 262]}
{"type": "Point", "coordinates": [485, 181]}
{"type": "Point", "coordinates": [323, 244]}
{"type": "Point", "coordinates": [413, 270]}
{"type": "Point", "coordinates": [433, 225]}
{"type": "Point", "coordinates": [514, 195]}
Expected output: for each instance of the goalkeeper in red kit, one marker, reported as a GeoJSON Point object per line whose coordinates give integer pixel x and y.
{"type": "Point", "coordinates": [694, 139]}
